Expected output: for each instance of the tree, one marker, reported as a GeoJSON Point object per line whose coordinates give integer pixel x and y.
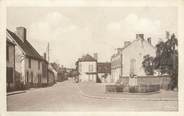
{"type": "Point", "coordinates": [55, 66]}
{"type": "Point", "coordinates": [166, 59]}
{"type": "Point", "coordinates": [148, 64]}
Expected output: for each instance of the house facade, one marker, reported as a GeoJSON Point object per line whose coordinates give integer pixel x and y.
{"type": "Point", "coordinates": [10, 64]}
{"type": "Point", "coordinates": [87, 68]}
{"type": "Point", "coordinates": [128, 60]}
{"type": "Point", "coordinates": [28, 62]}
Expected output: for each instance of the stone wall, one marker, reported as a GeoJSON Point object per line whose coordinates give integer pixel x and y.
{"type": "Point", "coordinates": [145, 83]}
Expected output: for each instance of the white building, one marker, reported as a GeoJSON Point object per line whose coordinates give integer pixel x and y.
{"type": "Point", "coordinates": [28, 62]}
{"type": "Point", "coordinates": [87, 68]}
{"type": "Point", "coordinates": [129, 59]}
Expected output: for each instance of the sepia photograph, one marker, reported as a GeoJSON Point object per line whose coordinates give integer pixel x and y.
{"type": "Point", "coordinates": [92, 59]}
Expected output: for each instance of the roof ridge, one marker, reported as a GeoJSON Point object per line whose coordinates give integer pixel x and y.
{"type": "Point", "coordinates": [25, 46]}
{"type": "Point", "coordinates": [87, 57]}
{"type": "Point", "coordinates": [33, 48]}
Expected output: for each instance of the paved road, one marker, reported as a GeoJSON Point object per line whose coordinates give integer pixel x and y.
{"type": "Point", "coordinates": [65, 96]}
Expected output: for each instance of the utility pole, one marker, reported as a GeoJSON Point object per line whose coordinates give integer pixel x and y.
{"type": "Point", "coordinates": [48, 51]}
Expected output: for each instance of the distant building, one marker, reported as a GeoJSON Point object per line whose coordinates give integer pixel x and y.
{"type": "Point", "coordinates": [45, 75]}
{"type": "Point", "coordinates": [68, 70]}
{"type": "Point", "coordinates": [52, 75]}
{"type": "Point", "coordinates": [87, 68]}
{"type": "Point", "coordinates": [28, 62]}
{"type": "Point", "coordinates": [10, 64]}
{"type": "Point", "coordinates": [129, 59]}
{"type": "Point", "coordinates": [104, 71]}
{"type": "Point", "coordinates": [61, 74]}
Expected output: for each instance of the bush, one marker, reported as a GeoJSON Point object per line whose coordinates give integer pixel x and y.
{"type": "Point", "coordinates": [119, 88]}
{"type": "Point", "coordinates": [110, 88]}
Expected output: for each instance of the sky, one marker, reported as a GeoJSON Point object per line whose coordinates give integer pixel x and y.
{"type": "Point", "coordinates": [75, 31]}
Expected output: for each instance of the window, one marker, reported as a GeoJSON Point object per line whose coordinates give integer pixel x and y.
{"type": "Point", "coordinates": [29, 62]}
{"type": "Point", "coordinates": [7, 53]}
{"type": "Point", "coordinates": [39, 78]}
{"type": "Point", "coordinates": [27, 77]}
{"type": "Point", "coordinates": [32, 77]}
{"type": "Point", "coordinates": [38, 65]}
{"type": "Point", "coordinates": [90, 68]}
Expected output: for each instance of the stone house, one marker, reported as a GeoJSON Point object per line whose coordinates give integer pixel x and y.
{"type": "Point", "coordinates": [10, 64]}
{"type": "Point", "coordinates": [87, 68]}
{"type": "Point", "coordinates": [129, 59]}
{"type": "Point", "coordinates": [28, 62]}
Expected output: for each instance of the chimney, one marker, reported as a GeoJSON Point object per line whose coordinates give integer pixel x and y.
{"type": "Point", "coordinates": [149, 40]}
{"type": "Point", "coordinates": [140, 36]}
{"type": "Point", "coordinates": [95, 56]}
{"type": "Point", "coordinates": [126, 43]}
{"type": "Point", "coordinates": [45, 56]}
{"type": "Point", "coordinates": [21, 33]}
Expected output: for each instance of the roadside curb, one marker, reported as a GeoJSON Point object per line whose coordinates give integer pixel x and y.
{"type": "Point", "coordinates": [15, 92]}
{"type": "Point", "coordinates": [126, 99]}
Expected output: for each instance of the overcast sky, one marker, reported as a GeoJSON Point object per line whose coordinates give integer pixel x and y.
{"type": "Point", "coordinates": [75, 31]}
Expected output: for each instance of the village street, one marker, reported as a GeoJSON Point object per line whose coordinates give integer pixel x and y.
{"type": "Point", "coordinates": [66, 96]}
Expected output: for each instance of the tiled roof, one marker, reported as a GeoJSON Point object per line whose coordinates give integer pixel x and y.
{"type": "Point", "coordinates": [104, 67]}
{"type": "Point", "coordinates": [10, 42]}
{"type": "Point", "coordinates": [87, 58]}
{"type": "Point", "coordinates": [26, 46]}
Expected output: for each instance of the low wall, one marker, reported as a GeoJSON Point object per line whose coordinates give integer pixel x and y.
{"type": "Point", "coordinates": [145, 84]}
{"type": "Point", "coordinates": [149, 80]}
{"type": "Point", "coordinates": [136, 89]}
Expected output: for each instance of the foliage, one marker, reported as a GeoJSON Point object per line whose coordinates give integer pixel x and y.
{"type": "Point", "coordinates": [166, 60]}
{"type": "Point", "coordinates": [55, 66]}
{"type": "Point", "coordinates": [166, 56]}
{"type": "Point", "coordinates": [74, 73]}
{"type": "Point", "coordinates": [148, 64]}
